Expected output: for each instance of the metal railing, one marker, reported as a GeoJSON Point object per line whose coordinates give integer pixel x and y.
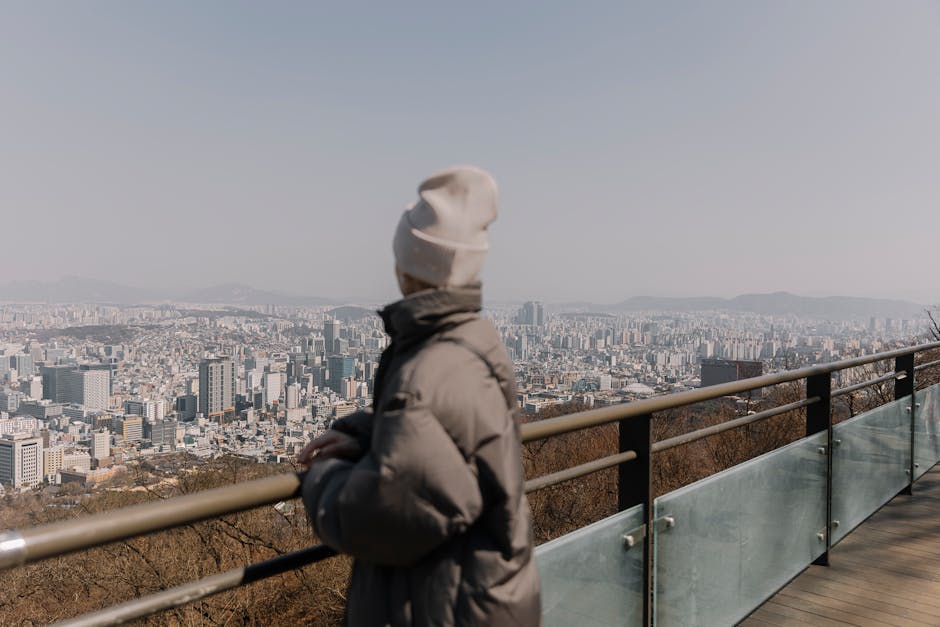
{"type": "Point", "coordinates": [634, 462]}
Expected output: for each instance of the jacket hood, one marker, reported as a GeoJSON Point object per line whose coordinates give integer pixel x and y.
{"type": "Point", "coordinates": [424, 313]}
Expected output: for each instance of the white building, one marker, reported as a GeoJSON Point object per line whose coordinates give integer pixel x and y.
{"type": "Point", "coordinates": [20, 460]}
{"type": "Point", "coordinates": [89, 388]}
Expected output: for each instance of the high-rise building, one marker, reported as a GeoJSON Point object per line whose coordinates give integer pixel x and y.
{"type": "Point", "coordinates": [162, 433]}
{"type": "Point", "coordinates": [341, 367]}
{"type": "Point", "coordinates": [101, 444]}
{"type": "Point", "coordinates": [151, 410]}
{"type": "Point", "coordinates": [186, 407]}
{"type": "Point", "coordinates": [10, 400]}
{"type": "Point", "coordinates": [331, 331]}
{"type": "Point", "coordinates": [216, 387]}
{"type": "Point", "coordinates": [89, 388]}
{"type": "Point", "coordinates": [51, 386]}
{"type": "Point", "coordinates": [110, 368]}
{"type": "Point", "coordinates": [23, 364]}
{"type": "Point", "coordinates": [532, 313]}
{"type": "Point", "coordinates": [52, 460]}
{"type": "Point", "coordinates": [271, 387]}
{"type": "Point", "coordinates": [130, 427]}
{"type": "Point", "coordinates": [292, 396]}
{"type": "Point", "coordinates": [20, 460]}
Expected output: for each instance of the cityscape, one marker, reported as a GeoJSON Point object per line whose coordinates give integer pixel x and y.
{"type": "Point", "coordinates": [88, 389]}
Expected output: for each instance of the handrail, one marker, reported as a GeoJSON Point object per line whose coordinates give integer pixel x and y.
{"type": "Point", "coordinates": [29, 545]}
{"type": "Point", "coordinates": [929, 364]}
{"type": "Point", "coordinates": [891, 376]}
{"type": "Point", "coordinates": [67, 536]}
{"type": "Point", "coordinates": [574, 472]}
{"type": "Point", "coordinates": [20, 547]}
{"type": "Point", "coordinates": [731, 424]}
{"type": "Point", "coordinates": [200, 589]}
{"type": "Point", "coordinates": [604, 415]}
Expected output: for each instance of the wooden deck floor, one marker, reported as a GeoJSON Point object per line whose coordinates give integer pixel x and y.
{"type": "Point", "coordinates": [885, 573]}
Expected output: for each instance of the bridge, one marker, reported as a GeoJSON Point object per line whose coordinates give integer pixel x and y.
{"type": "Point", "coordinates": [779, 539]}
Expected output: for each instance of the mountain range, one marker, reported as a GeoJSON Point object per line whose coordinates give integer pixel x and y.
{"type": "Point", "coordinates": [82, 290]}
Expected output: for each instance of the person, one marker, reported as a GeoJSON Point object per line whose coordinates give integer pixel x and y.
{"type": "Point", "coordinates": [425, 490]}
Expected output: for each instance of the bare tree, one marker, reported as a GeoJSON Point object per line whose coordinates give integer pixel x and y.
{"type": "Point", "coordinates": [933, 327]}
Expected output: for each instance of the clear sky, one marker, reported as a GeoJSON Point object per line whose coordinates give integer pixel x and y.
{"type": "Point", "coordinates": [662, 148]}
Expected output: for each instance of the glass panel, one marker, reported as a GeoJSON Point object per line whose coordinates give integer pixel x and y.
{"type": "Point", "coordinates": [589, 579]}
{"type": "Point", "coordinates": [870, 463]}
{"type": "Point", "coordinates": [926, 429]}
{"type": "Point", "coordinates": [740, 535]}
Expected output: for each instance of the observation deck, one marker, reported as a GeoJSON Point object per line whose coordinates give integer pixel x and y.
{"type": "Point", "coordinates": [839, 526]}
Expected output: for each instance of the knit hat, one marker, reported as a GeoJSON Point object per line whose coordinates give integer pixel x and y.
{"type": "Point", "coordinates": [441, 240]}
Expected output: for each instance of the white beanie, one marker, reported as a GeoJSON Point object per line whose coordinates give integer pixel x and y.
{"type": "Point", "coordinates": [441, 240]}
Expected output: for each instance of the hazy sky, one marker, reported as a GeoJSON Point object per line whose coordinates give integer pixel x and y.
{"type": "Point", "coordinates": [665, 148]}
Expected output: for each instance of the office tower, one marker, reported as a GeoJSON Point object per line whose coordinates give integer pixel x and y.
{"type": "Point", "coordinates": [216, 387]}
{"type": "Point", "coordinates": [10, 400]}
{"type": "Point", "coordinates": [151, 410]}
{"type": "Point", "coordinates": [32, 387]}
{"type": "Point", "coordinates": [186, 407]}
{"type": "Point", "coordinates": [331, 331]}
{"type": "Point", "coordinates": [162, 433]}
{"type": "Point", "coordinates": [51, 381]}
{"type": "Point", "coordinates": [110, 368]}
{"type": "Point", "coordinates": [23, 364]}
{"type": "Point", "coordinates": [292, 396]}
{"type": "Point", "coordinates": [20, 460]}
{"type": "Point", "coordinates": [101, 444]}
{"type": "Point", "coordinates": [89, 388]}
{"type": "Point", "coordinates": [532, 313]}
{"type": "Point", "coordinates": [131, 428]}
{"type": "Point", "coordinates": [52, 460]}
{"type": "Point", "coordinates": [341, 367]}
{"type": "Point", "coordinates": [272, 387]}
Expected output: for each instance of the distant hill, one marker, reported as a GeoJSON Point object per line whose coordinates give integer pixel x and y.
{"type": "Point", "coordinates": [81, 290]}
{"type": "Point", "coordinates": [780, 304]}
{"type": "Point", "coordinates": [350, 313]}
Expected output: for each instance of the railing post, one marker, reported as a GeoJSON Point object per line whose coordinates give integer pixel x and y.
{"type": "Point", "coordinates": [635, 487]}
{"type": "Point", "coordinates": [904, 387]}
{"type": "Point", "coordinates": [819, 419]}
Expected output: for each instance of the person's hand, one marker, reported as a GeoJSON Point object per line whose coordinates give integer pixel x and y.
{"type": "Point", "coordinates": [332, 444]}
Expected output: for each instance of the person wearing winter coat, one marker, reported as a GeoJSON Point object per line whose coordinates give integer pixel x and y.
{"type": "Point", "coordinates": [425, 490]}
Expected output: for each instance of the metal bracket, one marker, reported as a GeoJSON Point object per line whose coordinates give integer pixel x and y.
{"type": "Point", "coordinates": [664, 522]}
{"type": "Point", "coordinates": [632, 537]}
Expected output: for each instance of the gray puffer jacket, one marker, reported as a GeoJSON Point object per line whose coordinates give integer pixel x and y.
{"type": "Point", "coordinates": [434, 513]}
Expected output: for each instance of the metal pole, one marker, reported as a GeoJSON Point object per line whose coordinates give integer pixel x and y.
{"type": "Point", "coordinates": [29, 545]}
{"type": "Point", "coordinates": [200, 589]}
{"type": "Point", "coordinates": [819, 419]}
{"type": "Point", "coordinates": [635, 487]}
{"type": "Point", "coordinates": [904, 387]}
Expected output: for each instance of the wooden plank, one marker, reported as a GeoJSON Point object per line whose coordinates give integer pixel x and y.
{"type": "Point", "coordinates": [807, 605]}
{"type": "Point", "coordinates": [796, 616]}
{"type": "Point", "coordinates": [874, 587]}
{"type": "Point", "coordinates": [890, 605]}
{"type": "Point", "coordinates": [841, 610]}
{"type": "Point", "coordinates": [886, 572]}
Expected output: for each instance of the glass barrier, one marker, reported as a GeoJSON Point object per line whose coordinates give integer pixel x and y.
{"type": "Point", "coordinates": [926, 429]}
{"type": "Point", "coordinates": [870, 464]}
{"type": "Point", "coordinates": [727, 543]}
{"type": "Point", "coordinates": [590, 578]}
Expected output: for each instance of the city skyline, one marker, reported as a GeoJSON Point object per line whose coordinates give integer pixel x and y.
{"type": "Point", "coordinates": [678, 149]}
